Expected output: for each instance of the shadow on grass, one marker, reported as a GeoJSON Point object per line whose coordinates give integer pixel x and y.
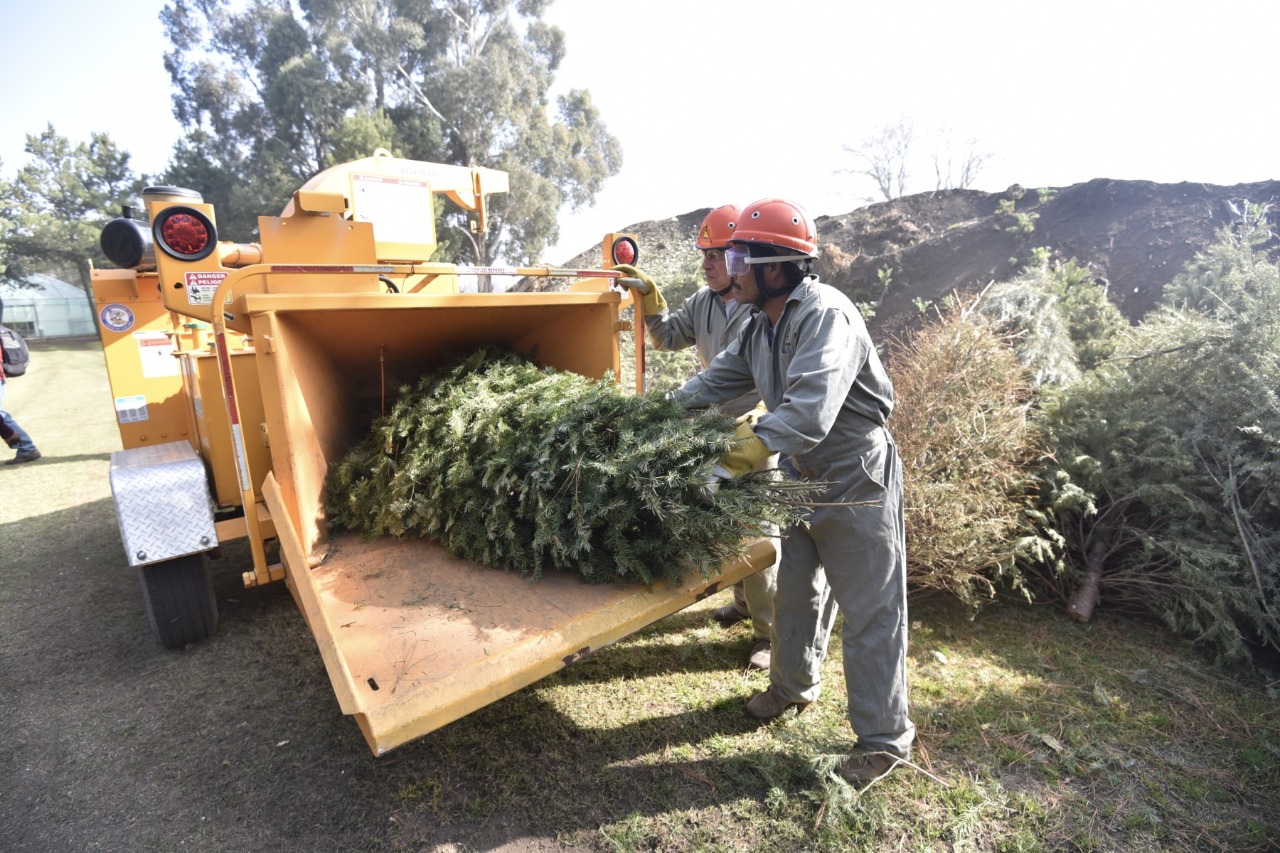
{"type": "Point", "coordinates": [524, 760]}
{"type": "Point", "coordinates": [47, 459]}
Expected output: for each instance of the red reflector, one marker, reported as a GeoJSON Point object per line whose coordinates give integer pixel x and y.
{"type": "Point", "coordinates": [624, 251]}
{"type": "Point", "coordinates": [183, 233]}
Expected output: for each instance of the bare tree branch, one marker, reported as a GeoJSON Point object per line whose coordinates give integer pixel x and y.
{"type": "Point", "coordinates": [883, 155]}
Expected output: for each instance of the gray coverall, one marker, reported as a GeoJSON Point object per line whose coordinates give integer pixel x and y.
{"type": "Point", "coordinates": [828, 399]}
{"type": "Point", "coordinates": [706, 322]}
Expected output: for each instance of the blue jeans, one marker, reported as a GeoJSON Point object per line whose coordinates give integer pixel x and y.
{"type": "Point", "coordinates": [25, 444]}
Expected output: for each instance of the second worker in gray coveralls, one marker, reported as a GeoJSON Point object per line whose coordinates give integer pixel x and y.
{"type": "Point", "coordinates": [709, 320]}
{"type": "Point", "coordinates": [807, 352]}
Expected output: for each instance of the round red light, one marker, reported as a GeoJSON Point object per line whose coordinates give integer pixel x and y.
{"type": "Point", "coordinates": [624, 251]}
{"type": "Point", "coordinates": [184, 233]}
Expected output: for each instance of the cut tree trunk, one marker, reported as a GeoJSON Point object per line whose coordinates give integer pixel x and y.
{"type": "Point", "coordinates": [1086, 597]}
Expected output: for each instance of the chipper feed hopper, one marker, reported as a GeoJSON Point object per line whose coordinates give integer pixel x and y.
{"type": "Point", "coordinates": [242, 371]}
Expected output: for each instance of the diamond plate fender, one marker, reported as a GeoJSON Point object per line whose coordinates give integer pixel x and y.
{"type": "Point", "coordinates": [162, 502]}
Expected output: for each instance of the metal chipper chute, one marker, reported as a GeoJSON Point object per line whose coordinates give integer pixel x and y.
{"type": "Point", "coordinates": [412, 637]}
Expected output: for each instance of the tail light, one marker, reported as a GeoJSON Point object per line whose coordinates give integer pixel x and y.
{"type": "Point", "coordinates": [625, 251]}
{"type": "Point", "coordinates": [184, 233]}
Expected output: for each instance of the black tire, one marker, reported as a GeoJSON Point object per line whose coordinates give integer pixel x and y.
{"type": "Point", "coordinates": [179, 598]}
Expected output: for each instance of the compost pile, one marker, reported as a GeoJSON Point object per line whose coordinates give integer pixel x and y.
{"type": "Point", "coordinates": [528, 469]}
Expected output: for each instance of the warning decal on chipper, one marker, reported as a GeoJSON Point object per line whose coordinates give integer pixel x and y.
{"type": "Point", "coordinates": [401, 208]}
{"type": "Point", "coordinates": [155, 350]}
{"type": "Point", "coordinates": [201, 286]}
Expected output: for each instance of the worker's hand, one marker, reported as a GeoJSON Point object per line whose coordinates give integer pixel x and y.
{"type": "Point", "coordinates": [745, 454]}
{"type": "Point", "coordinates": [753, 416]}
{"type": "Point", "coordinates": [636, 280]}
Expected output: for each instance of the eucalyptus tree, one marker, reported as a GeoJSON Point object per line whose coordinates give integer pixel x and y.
{"type": "Point", "coordinates": [271, 92]}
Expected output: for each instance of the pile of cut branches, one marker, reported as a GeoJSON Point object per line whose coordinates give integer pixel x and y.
{"type": "Point", "coordinates": [528, 469]}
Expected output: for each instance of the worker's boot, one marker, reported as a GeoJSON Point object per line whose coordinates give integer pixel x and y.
{"type": "Point", "coordinates": [760, 656]}
{"type": "Point", "coordinates": [769, 705]}
{"type": "Point", "coordinates": [727, 615]}
{"type": "Point", "coordinates": [863, 768]}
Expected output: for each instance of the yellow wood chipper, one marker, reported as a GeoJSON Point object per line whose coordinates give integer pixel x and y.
{"type": "Point", "coordinates": [241, 371]}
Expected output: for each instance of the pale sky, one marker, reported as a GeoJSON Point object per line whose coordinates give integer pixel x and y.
{"type": "Point", "coordinates": [729, 102]}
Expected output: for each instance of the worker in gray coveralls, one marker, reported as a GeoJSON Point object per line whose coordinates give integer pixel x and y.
{"type": "Point", "coordinates": [709, 320]}
{"type": "Point", "coordinates": [808, 353]}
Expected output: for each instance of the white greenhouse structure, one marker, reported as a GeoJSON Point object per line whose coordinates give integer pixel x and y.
{"type": "Point", "coordinates": [46, 307]}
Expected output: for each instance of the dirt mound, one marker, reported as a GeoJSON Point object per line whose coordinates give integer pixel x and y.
{"type": "Point", "coordinates": [1134, 235]}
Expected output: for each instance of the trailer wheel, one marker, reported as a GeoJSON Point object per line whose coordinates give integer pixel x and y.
{"type": "Point", "coordinates": [179, 598]}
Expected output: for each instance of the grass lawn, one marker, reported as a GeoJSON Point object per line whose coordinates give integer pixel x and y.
{"type": "Point", "coordinates": [1035, 733]}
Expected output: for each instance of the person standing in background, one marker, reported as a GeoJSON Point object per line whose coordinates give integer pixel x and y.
{"type": "Point", "coordinates": [13, 434]}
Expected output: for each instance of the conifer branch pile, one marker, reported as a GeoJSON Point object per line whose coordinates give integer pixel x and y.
{"type": "Point", "coordinates": [528, 469]}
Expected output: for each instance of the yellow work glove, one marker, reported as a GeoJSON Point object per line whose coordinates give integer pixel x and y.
{"type": "Point", "coordinates": [746, 452]}
{"type": "Point", "coordinates": [636, 280]}
{"type": "Point", "coordinates": [753, 416]}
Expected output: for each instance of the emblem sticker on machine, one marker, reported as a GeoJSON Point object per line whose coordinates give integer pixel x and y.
{"type": "Point", "coordinates": [201, 286]}
{"type": "Point", "coordinates": [116, 317]}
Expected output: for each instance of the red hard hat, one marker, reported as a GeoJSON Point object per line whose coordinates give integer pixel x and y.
{"type": "Point", "coordinates": [777, 222]}
{"type": "Point", "coordinates": [717, 227]}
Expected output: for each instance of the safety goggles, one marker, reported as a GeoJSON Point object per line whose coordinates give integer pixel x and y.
{"type": "Point", "coordinates": [738, 258]}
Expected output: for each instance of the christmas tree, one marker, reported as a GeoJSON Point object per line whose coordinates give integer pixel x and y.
{"type": "Point", "coordinates": [526, 469]}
